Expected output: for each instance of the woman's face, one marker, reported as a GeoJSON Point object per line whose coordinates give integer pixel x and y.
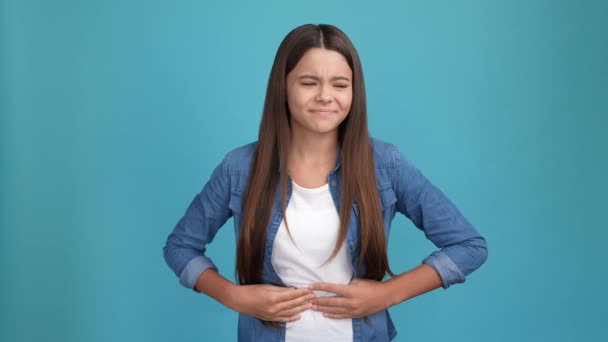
{"type": "Point", "coordinates": [319, 92]}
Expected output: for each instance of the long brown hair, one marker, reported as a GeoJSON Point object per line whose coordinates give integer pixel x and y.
{"type": "Point", "coordinates": [269, 167]}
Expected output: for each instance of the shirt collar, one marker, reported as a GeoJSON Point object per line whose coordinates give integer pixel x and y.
{"type": "Point", "coordinates": [338, 160]}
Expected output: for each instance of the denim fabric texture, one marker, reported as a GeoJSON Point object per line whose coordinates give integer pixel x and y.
{"type": "Point", "coordinates": [402, 188]}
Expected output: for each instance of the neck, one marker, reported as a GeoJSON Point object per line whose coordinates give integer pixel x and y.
{"type": "Point", "coordinates": [313, 149]}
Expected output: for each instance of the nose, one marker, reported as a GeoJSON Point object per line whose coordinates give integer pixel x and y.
{"type": "Point", "coordinates": [324, 94]}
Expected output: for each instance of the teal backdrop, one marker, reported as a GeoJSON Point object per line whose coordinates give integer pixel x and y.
{"type": "Point", "coordinates": [114, 113]}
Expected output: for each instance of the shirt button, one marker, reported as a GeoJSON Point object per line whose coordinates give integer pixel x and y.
{"type": "Point", "coordinates": [357, 328]}
{"type": "Point", "coordinates": [333, 183]}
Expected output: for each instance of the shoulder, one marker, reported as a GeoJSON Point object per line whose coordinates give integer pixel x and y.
{"type": "Point", "coordinates": [239, 159]}
{"type": "Point", "coordinates": [393, 166]}
{"type": "Point", "coordinates": [386, 155]}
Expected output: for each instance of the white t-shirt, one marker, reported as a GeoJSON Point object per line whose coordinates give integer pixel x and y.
{"type": "Point", "coordinates": [314, 224]}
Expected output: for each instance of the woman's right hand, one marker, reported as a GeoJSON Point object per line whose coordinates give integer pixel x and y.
{"type": "Point", "coordinates": [271, 303]}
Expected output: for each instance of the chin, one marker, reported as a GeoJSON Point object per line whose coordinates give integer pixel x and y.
{"type": "Point", "coordinates": [320, 126]}
{"type": "Point", "coordinates": [324, 130]}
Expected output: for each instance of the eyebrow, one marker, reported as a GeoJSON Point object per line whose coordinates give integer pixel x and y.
{"type": "Point", "coordinates": [335, 78]}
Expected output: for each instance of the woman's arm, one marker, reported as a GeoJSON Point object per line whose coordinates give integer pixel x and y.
{"type": "Point", "coordinates": [185, 247]}
{"type": "Point", "coordinates": [462, 248]}
{"type": "Point", "coordinates": [413, 283]}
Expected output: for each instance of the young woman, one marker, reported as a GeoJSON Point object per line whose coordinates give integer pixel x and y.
{"type": "Point", "coordinates": [312, 200]}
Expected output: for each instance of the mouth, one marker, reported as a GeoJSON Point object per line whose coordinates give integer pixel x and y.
{"type": "Point", "coordinates": [323, 112]}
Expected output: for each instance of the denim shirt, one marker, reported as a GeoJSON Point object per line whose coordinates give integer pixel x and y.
{"type": "Point", "coordinates": [402, 188]}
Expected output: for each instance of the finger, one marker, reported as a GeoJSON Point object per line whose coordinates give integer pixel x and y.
{"type": "Point", "coordinates": [339, 316]}
{"type": "Point", "coordinates": [331, 301]}
{"type": "Point", "coordinates": [287, 318]}
{"type": "Point", "coordinates": [296, 310]}
{"type": "Point", "coordinates": [332, 309]}
{"type": "Point", "coordinates": [292, 294]}
{"type": "Point", "coordinates": [274, 288]}
{"type": "Point", "coordinates": [290, 304]}
{"type": "Point", "coordinates": [330, 287]}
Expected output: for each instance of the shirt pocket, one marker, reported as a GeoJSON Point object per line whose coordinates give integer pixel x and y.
{"type": "Point", "coordinates": [387, 199]}
{"type": "Point", "coordinates": [236, 203]}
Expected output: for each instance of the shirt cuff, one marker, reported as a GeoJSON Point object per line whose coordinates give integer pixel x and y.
{"type": "Point", "coordinates": [447, 269]}
{"type": "Point", "coordinates": [193, 270]}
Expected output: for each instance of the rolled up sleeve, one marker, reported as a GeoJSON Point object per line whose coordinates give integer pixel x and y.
{"type": "Point", "coordinates": [461, 248]}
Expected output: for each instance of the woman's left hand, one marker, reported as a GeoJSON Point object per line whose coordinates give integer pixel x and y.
{"type": "Point", "coordinates": [362, 297]}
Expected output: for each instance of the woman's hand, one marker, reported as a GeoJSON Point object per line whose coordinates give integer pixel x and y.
{"type": "Point", "coordinates": [271, 303]}
{"type": "Point", "coordinates": [362, 297]}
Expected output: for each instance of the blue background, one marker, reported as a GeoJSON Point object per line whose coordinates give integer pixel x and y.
{"type": "Point", "coordinates": [114, 113]}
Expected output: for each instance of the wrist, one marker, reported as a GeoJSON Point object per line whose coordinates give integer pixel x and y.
{"type": "Point", "coordinates": [231, 296]}
{"type": "Point", "coordinates": [393, 292]}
